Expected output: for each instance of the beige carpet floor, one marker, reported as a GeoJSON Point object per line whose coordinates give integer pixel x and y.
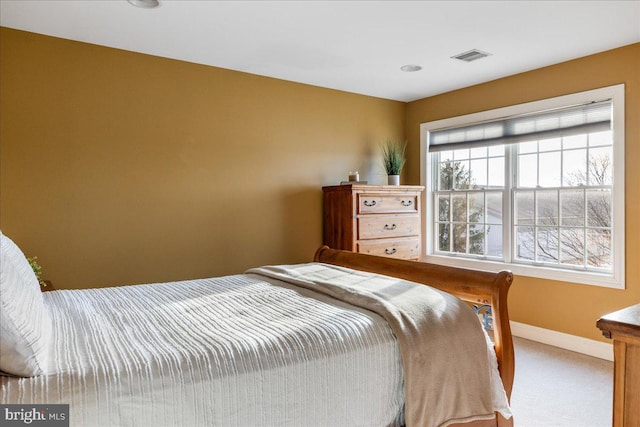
{"type": "Point", "coordinates": [560, 388]}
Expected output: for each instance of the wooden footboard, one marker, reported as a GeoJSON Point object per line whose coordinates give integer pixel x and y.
{"type": "Point", "coordinates": [469, 285]}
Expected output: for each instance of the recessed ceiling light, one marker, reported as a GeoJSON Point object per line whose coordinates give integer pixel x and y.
{"type": "Point", "coordinates": [410, 68]}
{"type": "Point", "coordinates": [471, 55]}
{"type": "Point", "coordinates": [145, 4]}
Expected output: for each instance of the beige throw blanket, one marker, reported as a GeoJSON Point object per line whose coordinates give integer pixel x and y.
{"type": "Point", "coordinates": [450, 371]}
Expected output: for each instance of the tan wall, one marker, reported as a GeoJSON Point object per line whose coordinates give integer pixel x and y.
{"type": "Point", "coordinates": [120, 168]}
{"type": "Point", "coordinates": [560, 306]}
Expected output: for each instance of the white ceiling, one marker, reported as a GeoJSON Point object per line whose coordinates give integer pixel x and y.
{"type": "Point", "coordinates": [355, 46]}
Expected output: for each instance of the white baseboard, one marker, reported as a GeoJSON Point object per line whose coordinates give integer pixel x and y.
{"type": "Point", "coordinates": [575, 343]}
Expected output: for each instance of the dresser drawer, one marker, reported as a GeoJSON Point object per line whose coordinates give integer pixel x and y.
{"type": "Point", "coordinates": [386, 203]}
{"type": "Point", "coordinates": [396, 248]}
{"type": "Point", "coordinates": [383, 226]}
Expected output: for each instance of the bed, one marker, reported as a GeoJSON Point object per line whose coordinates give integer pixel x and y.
{"type": "Point", "coordinates": [277, 346]}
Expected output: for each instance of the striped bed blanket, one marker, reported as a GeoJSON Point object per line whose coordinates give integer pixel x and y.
{"type": "Point", "coordinates": [258, 349]}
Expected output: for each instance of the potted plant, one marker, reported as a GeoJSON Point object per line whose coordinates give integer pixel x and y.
{"type": "Point", "coordinates": [393, 160]}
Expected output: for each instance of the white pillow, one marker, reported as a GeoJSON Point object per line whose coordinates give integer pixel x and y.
{"type": "Point", "coordinates": [25, 325]}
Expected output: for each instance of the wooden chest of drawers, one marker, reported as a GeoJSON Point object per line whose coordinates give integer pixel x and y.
{"type": "Point", "coordinates": [375, 219]}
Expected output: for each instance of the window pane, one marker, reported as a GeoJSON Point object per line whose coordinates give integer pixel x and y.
{"type": "Point", "coordinates": [460, 238]}
{"type": "Point", "coordinates": [446, 155]}
{"type": "Point", "coordinates": [574, 166]}
{"type": "Point", "coordinates": [601, 138]}
{"type": "Point", "coordinates": [476, 207]}
{"type": "Point", "coordinates": [446, 176]}
{"type": "Point", "coordinates": [572, 246]}
{"type": "Point", "coordinates": [547, 250]}
{"type": "Point", "coordinates": [574, 141]}
{"type": "Point", "coordinates": [476, 239]}
{"type": "Point", "coordinates": [478, 172]}
{"type": "Point", "coordinates": [478, 152]}
{"type": "Point", "coordinates": [461, 175]}
{"type": "Point", "coordinates": [443, 208]}
{"type": "Point", "coordinates": [572, 207]}
{"type": "Point", "coordinates": [496, 150]}
{"type": "Point", "coordinates": [494, 241]}
{"type": "Point", "coordinates": [528, 147]}
{"type": "Point", "coordinates": [524, 243]}
{"type": "Point", "coordinates": [461, 154]}
{"type": "Point", "coordinates": [524, 207]}
{"type": "Point", "coordinates": [550, 144]}
{"type": "Point", "coordinates": [549, 169]}
{"type": "Point", "coordinates": [528, 170]}
{"type": "Point", "coordinates": [599, 248]}
{"type": "Point", "coordinates": [494, 208]}
{"type": "Point", "coordinates": [599, 208]}
{"type": "Point", "coordinates": [459, 207]}
{"type": "Point", "coordinates": [496, 172]}
{"type": "Point", "coordinates": [547, 206]}
{"type": "Point", "coordinates": [444, 237]}
{"type": "Point", "coordinates": [600, 166]}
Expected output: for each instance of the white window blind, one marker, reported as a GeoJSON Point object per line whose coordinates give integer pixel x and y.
{"type": "Point", "coordinates": [574, 120]}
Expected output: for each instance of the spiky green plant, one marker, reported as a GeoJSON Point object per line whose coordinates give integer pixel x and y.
{"type": "Point", "coordinates": [37, 270]}
{"type": "Point", "coordinates": [393, 156]}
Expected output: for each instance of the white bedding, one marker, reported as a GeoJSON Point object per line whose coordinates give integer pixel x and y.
{"type": "Point", "coordinates": [450, 368]}
{"type": "Point", "coordinates": [231, 351]}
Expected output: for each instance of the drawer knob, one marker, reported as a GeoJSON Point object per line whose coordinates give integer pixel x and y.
{"type": "Point", "coordinates": [369, 204]}
{"type": "Point", "coordinates": [390, 227]}
{"type": "Point", "coordinates": [390, 251]}
{"type": "Point", "coordinates": [406, 203]}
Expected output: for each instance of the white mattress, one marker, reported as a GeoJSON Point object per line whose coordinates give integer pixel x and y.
{"type": "Point", "coordinates": [230, 351]}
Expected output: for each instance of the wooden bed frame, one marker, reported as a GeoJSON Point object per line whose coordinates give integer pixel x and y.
{"type": "Point", "coordinates": [478, 287]}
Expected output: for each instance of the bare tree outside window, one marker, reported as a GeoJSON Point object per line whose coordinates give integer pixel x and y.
{"type": "Point", "coordinates": [562, 215]}
{"type": "Point", "coordinates": [572, 224]}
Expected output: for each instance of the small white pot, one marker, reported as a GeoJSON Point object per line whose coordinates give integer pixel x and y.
{"type": "Point", "coordinates": [393, 179]}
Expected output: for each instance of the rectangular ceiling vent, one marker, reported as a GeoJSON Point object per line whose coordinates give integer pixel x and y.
{"type": "Point", "coordinates": [471, 55]}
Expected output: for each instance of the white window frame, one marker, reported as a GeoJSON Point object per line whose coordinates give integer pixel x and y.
{"type": "Point", "coordinates": [616, 279]}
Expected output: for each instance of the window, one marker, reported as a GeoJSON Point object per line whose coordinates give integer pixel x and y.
{"type": "Point", "coordinates": [537, 188]}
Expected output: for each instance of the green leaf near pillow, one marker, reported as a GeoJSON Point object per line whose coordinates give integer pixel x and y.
{"type": "Point", "coordinates": [37, 270]}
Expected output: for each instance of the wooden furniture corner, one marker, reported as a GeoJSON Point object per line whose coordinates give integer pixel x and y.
{"type": "Point", "coordinates": [623, 326]}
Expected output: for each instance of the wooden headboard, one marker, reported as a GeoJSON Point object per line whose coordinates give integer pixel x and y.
{"type": "Point", "coordinates": [468, 285]}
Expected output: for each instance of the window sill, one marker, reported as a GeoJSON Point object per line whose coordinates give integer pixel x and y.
{"type": "Point", "coordinates": [581, 277]}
